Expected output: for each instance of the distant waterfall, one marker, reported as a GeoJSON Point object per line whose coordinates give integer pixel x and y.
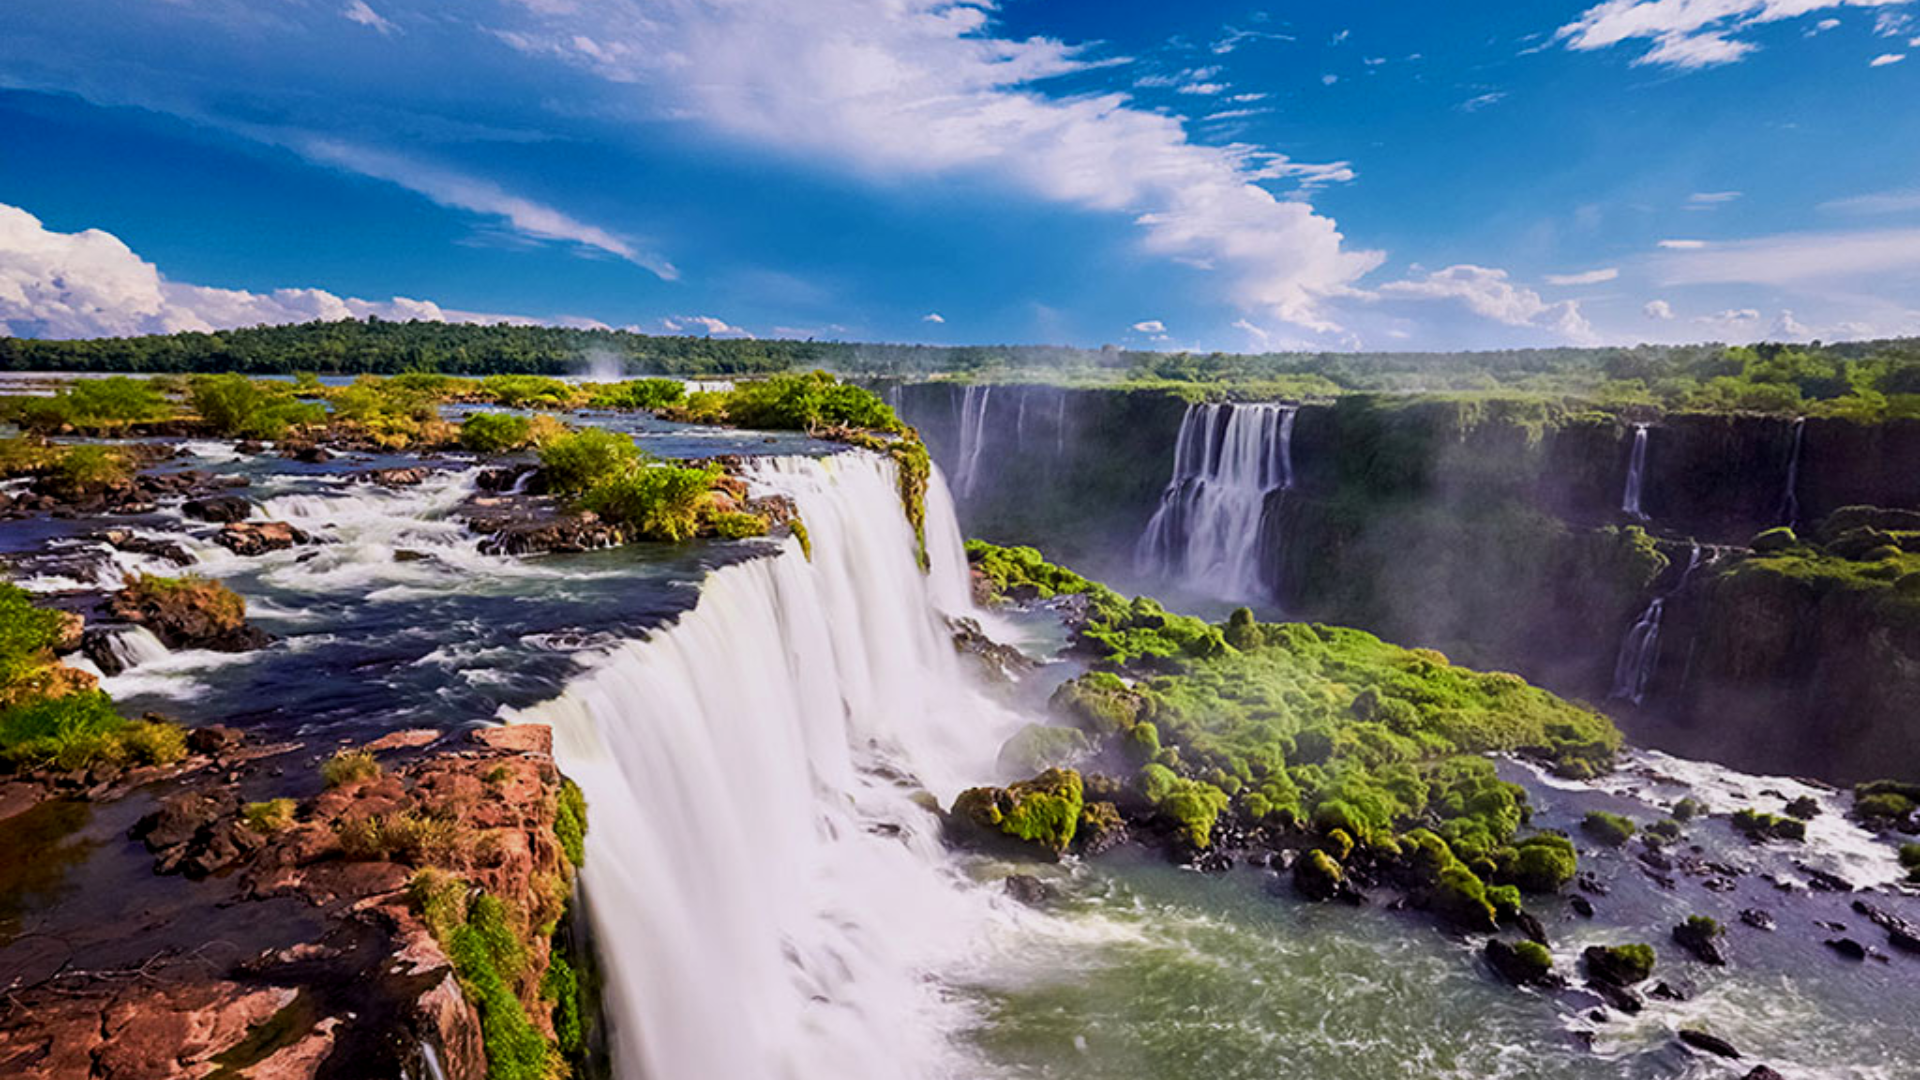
{"type": "Point", "coordinates": [1205, 532]}
{"type": "Point", "coordinates": [769, 898]}
{"type": "Point", "coordinates": [1640, 650]}
{"type": "Point", "coordinates": [973, 436]}
{"type": "Point", "coordinates": [1790, 499]}
{"type": "Point", "coordinates": [1636, 474]}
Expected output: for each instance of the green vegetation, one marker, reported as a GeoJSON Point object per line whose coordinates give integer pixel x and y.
{"type": "Point", "coordinates": [482, 938]}
{"type": "Point", "coordinates": [270, 816]}
{"type": "Point", "coordinates": [1622, 965]}
{"type": "Point", "coordinates": [1885, 801]}
{"type": "Point", "coordinates": [98, 406]}
{"type": "Point", "coordinates": [1043, 811]}
{"type": "Point", "coordinates": [570, 822]}
{"type": "Point", "coordinates": [1609, 829]}
{"type": "Point", "coordinates": [532, 392]}
{"type": "Point", "coordinates": [51, 715]}
{"type": "Point", "coordinates": [648, 394]}
{"type": "Point", "coordinates": [1376, 751]}
{"type": "Point", "coordinates": [576, 463]}
{"type": "Point", "coordinates": [1759, 827]}
{"type": "Point", "coordinates": [237, 407]}
{"type": "Point", "coordinates": [813, 401]}
{"type": "Point", "coordinates": [502, 433]}
{"type": "Point", "coordinates": [410, 836]}
{"type": "Point", "coordinates": [79, 470]}
{"type": "Point", "coordinates": [665, 502]}
{"type": "Point", "coordinates": [1910, 860]}
{"type": "Point", "coordinates": [350, 767]}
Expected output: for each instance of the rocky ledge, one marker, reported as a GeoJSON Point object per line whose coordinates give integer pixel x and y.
{"type": "Point", "coordinates": [399, 918]}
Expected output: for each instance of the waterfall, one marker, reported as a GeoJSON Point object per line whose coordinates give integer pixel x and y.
{"type": "Point", "coordinates": [1640, 649]}
{"type": "Point", "coordinates": [1636, 474]}
{"type": "Point", "coordinates": [1205, 532]}
{"type": "Point", "coordinates": [132, 646]}
{"type": "Point", "coordinates": [1790, 499]}
{"type": "Point", "coordinates": [1020, 422]}
{"type": "Point", "coordinates": [770, 898]}
{"type": "Point", "coordinates": [973, 435]}
{"type": "Point", "coordinates": [1060, 426]}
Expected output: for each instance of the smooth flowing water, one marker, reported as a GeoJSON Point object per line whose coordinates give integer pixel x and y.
{"type": "Point", "coordinates": [1205, 534]}
{"type": "Point", "coordinates": [1633, 667]}
{"type": "Point", "coordinates": [973, 436]}
{"type": "Point", "coordinates": [1636, 474]}
{"type": "Point", "coordinates": [1790, 498]}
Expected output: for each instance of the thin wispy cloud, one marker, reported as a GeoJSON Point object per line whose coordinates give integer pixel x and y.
{"type": "Point", "coordinates": [1795, 259]}
{"type": "Point", "coordinates": [1689, 34]}
{"type": "Point", "coordinates": [1475, 104]}
{"type": "Point", "coordinates": [359, 12]}
{"type": "Point", "coordinates": [1882, 202]}
{"type": "Point", "coordinates": [1585, 277]}
{"type": "Point", "coordinates": [1886, 58]}
{"type": "Point", "coordinates": [1683, 245]}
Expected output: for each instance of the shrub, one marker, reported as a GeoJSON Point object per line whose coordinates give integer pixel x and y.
{"type": "Point", "coordinates": [1665, 829]}
{"type": "Point", "coordinates": [1882, 806]}
{"type": "Point", "coordinates": [495, 433]}
{"type": "Point", "coordinates": [111, 402]}
{"type": "Point", "coordinates": [89, 468]}
{"type": "Point", "coordinates": [807, 402]}
{"type": "Point", "coordinates": [1759, 827]}
{"type": "Point", "coordinates": [350, 767]}
{"type": "Point", "coordinates": [27, 635]}
{"type": "Point", "coordinates": [270, 816]}
{"type": "Point", "coordinates": [532, 392]}
{"type": "Point", "coordinates": [587, 458]}
{"type": "Point", "coordinates": [149, 742]}
{"type": "Point", "coordinates": [737, 525]}
{"type": "Point", "coordinates": [237, 407]}
{"type": "Point", "coordinates": [410, 836]}
{"type": "Point", "coordinates": [637, 394]}
{"type": "Point", "coordinates": [1609, 829]}
{"type": "Point", "coordinates": [1688, 808]}
{"type": "Point", "coordinates": [656, 502]}
{"type": "Point", "coordinates": [82, 730]}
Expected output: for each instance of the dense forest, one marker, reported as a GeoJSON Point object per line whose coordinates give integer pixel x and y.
{"type": "Point", "coordinates": [1871, 378]}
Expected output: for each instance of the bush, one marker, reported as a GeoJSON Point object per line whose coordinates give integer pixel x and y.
{"type": "Point", "coordinates": [27, 635]}
{"type": "Point", "coordinates": [495, 433]}
{"type": "Point", "coordinates": [237, 407]}
{"type": "Point", "coordinates": [1609, 829]}
{"type": "Point", "coordinates": [1688, 808]}
{"type": "Point", "coordinates": [350, 767]}
{"type": "Point", "coordinates": [410, 836]}
{"type": "Point", "coordinates": [531, 392]}
{"type": "Point", "coordinates": [82, 730]}
{"type": "Point", "coordinates": [570, 822]}
{"type": "Point", "coordinates": [90, 468]}
{"type": "Point", "coordinates": [655, 502]}
{"type": "Point", "coordinates": [737, 525]}
{"type": "Point", "coordinates": [270, 816]}
{"type": "Point", "coordinates": [637, 394]}
{"type": "Point", "coordinates": [587, 458]}
{"type": "Point", "coordinates": [807, 402]}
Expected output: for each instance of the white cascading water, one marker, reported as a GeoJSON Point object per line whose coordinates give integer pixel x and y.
{"type": "Point", "coordinates": [770, 899]}
{"type": "Point", "coordinates": [1640, 649]}
{"type": "Point", "coordinates": [973, 436]}
{"type": "Point", "coordinates": [1205, 533]}
{"type": "Point", "coordinates": [132, 646]}
{"type": "Point", "coordinates": [1636, 473]}
{"type": "Point", "coordinates": [1790, 499]}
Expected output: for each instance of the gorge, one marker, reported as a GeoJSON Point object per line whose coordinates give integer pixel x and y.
{"type": "Point", "coordinates": [862, 800]}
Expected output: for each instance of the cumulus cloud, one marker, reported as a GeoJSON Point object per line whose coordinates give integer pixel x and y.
{"type": "Point", "coordinates": [1658, 309]}
{"type": "Point", "coordinates": [933, 317]}
{"type": "Point", "coordinates": [359, 12]}
{"type": "Point", "coordinates": [1788, 328]}
{"type": "Point", "coordinates": [90, 284]}
{"type": "Point", "coordinates": [1690, 34]}
{"type": "Point", "coordinates": [1488, 293]}
{"type": "Point", "coordinates": [910, 88]}
{"type": "Point", "coordinates": [1585, 277]}
{"type": "Point", "coordinates": [1150, 326]}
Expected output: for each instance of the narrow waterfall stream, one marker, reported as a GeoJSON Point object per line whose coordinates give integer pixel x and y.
{"type": "Point", "coordinates": [769, 889]}
{"type": "Point", "coordinates": [1205, 533]}
{"type": "Point", "coordinates": [1636, 474]}
{"type": "Point", "coordinates": [1639, 653]}
{"type": "Point", "coordinates": [1790, 498]}
{"type": "Point", "coordinates": [973, 436]}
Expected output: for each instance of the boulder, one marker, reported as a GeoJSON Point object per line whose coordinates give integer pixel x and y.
{"type": "Point", "coordinates": [1618, 965]}
{"type": "Point", "coordinates": [214, 739]}
{"type": "Point", "coordinates": [1318, 877]}
{"type": "Point", "coordinates": [1525, 964]}
{"type": "Point", "coordinates": [1036, 817]}
{"type": "Point", "coordinates": [1701, 936]}
{"type": "Point", "coordinates": [408, 476]}
{"type": "Point", "coordinates": [1902, 934]}
{"type": "Point", "coordinates": [249, 538]}
{"type": "Point", "coordinates": [1101, 829]}
{"type": "Point", "coordinates": [1028, 889]}
{"type": "Point", "coordinates": [1712, 1044]}
{"type": "Point", "coordinates": [1848, 948]}
{"type": "Point", "coordinates": [220, 509]}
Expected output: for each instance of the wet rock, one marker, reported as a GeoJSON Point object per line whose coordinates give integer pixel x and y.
{"type": "Point", "coordinates": [1101, 829]}
{"type": "Point", "coordinates": [1848, 948]}
{"type": "Point", "coordinates": [1901, 933]}
{"type": "Point", "coordinates": [249, 538]}
{"type": "Point", "coordinates": [1665, 991]}
{"type": "Point", "coordinates": [219, 509]}
{"type": "Point", "coordinates": [505, 478]}
{"type": "Point", "coordinates": [548, 533]}
{"type": "Point", "coordinates": [1618, 965]}
{"type": "Point", "coordinates": [1761, 1072]}
{"type": "Point", "coordinates": [1621, 998]}
{"type": "Point", "coordinates": [1529, 924]}
{"type": "Point", "coordinates": [1317, 877]}
{"type": "Point", "coordinates": [214, 739]}
{"type": "Point", "coordinates": [1712, 1044]}
{"type": "Point", "coordinates": [408, 555]}
{"type": "Point", "coordinates": [1581, 906]}
{"type": "Point", "coordinates": [406, 476]}
{"type": "Point", "coordinates": [1002, 661]}
{"type": "Point", "coordinates": [307, 453]}
{"type": "Point", "coordinates": [1825, 881]}
{"type": "Point", "coordinates": [515, 738]}
{"type": "Point", "coordinates": [1757, 919]}
{"type": "Point", "coordinates": [1701, 937]}
{"type": "Point", "coordinates": [188, 614]}
{"type": "Point", "coordinates": [1526, 964]}
{"type": "Point", "coordinates": [1028, 889]}
{"type": "Point", "coordinates": [126, 540]}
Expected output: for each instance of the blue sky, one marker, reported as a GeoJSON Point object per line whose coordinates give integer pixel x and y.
{"type": "Point", "coordinates": [1234, 176]}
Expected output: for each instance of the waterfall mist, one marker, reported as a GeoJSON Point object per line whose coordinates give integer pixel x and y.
{"type": "Point", "coordinates": [771, 895]}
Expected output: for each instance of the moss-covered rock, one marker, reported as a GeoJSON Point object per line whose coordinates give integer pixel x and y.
{"type": "Point", "coordinates": [1609, 829]}
{"type": "Point", "coordinates": [1700, 935]}
{"type": "Point", "coordinates": [1098, 703]}
{"type": "Point", "coordinates": [1038, 747]}
{"type": "Point", "coordinates": [1038, 815]}
{"type": "Point", "coordinates": [1619, 965]}
{"type": "Point", "coordinates": [1759, 826]}
{"type": "Point", "coordinates": [1317, 876]}
{"type": "Point", "coordinates": [1524, 963]}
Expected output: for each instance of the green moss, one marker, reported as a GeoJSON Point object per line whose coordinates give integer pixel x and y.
{"type": "Point", "coordinates": [561, 987]}
{"type": "Point", "coordinates": [1044, 810]}
{"type": "Point", "coordinates": [1505, 900]}
{"type": "Point", "coordinates": [799, 530]}
{"type": "Point", "coordinates": [1688, 808]}
{"type": "Point", "coordinates": [27, 635]}
{"type": "Point", "coordinates": [1142, 743]}
{"type": "Point", "coordinates": [570, 822]}
{"type": "Point", "coordinates": [1758, 826]}
{"type": "Point", "coordinates": [1022, 572]}
{"type": "Point", "coordinates": [736, 525]}
{"type": "Point", "coordinates": [1543, 863]}
{"type": "Point", "coordinates": [1774, 540]}
{"type": "Point", "coordinates": [1621, 964]}
{"type": "Point", "coordinates": [1535, 956]}
{"type": "Point", "coordinates": [1317, 875]}
{"type": "Point", "coordinates": [488, 958]}
{"type": "Point", "coordinates": [1193, 806]}
{"type": "Point", "coordinates": [1609, 829]}
{"type": "Point", "coordinates": [1665, 829]}
{"type": "Point", "coordinates": [1098, 703]}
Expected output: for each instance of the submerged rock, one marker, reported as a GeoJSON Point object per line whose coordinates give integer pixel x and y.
{"type": "Point", "coordinates": [1712, 1044]}
{"type": "Point", "coordinates": [1028, 889]}
{"type": "Point", "coordinates": [220, 509]}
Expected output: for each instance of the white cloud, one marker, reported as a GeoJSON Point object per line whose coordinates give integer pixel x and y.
{"type": "Point", "coordinates": [1891, 23]}
{"type": "Point", "coordinates": [1475, 104]}
{"type": "Point", "coordinates": [1259, 336]}
{"type": "Point", "coordinates": [1788, 328]}
{"type": "Point", "coordinates": [1712, 198]}
{"type": "Point", "coordinates": [90, 284]}
{"type": "Point", "coordinates": [1488, 293]}
{"type": "Point", "coordinates": [1150, 326]}
{"type": "Point", "coordinates": [1205, 89]}
{"type": "Point", "coordinates": [933, 317]}
{"type": "Point", "coordinates": [1658, 309]}
{"type": "Point", "coordinates": [1794, 258]}
{"type": "Point", "coordinates": [1822, 27]}
{"type": "Point", "coordinates": [1880, 202]}
{"type": "Point", "coordinates": [711, 326]}
{"type": "Point", "coordinates": [1886, 58]}
{"type": "Point", "coordinates": [1585, 277]}
{"type": "Point", "coordinates": [359, 12]}
{"type": "Point", "coordinates": [1329, 80]}
{"type": "Point", "coordinates": [1690, 33]}
{"type": "Point", "coordinates": [482, 197]}
{"type": "Point", "coordinates": [901, 89]}
{"type": "Point", "coordinates": [1683, 245]}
